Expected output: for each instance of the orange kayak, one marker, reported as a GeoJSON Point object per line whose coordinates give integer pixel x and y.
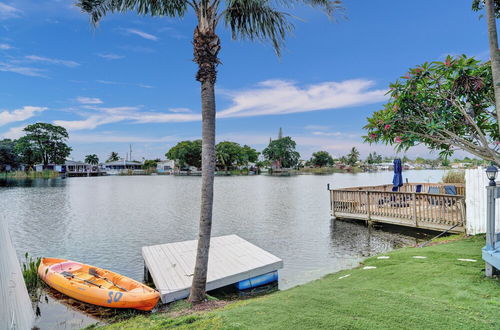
{"type": "Point", "coordinates": [96, 286]}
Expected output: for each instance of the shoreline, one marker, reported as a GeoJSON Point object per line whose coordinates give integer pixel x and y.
{"type": "Point", "coordinates": [424, 285]}
{"type": "Point", "coordinates": [309, 171]}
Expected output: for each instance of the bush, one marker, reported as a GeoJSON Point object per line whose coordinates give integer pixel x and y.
{"type": "Point", "coordinates": [454, 177]}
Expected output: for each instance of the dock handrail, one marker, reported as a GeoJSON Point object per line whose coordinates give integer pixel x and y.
{"type": "Point", "coordinates": [421, 210]}
{"type": "Point", "coordinates": [411, 187]}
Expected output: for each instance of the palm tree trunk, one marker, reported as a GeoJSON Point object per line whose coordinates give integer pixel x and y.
{"type": "Point", "coordinates": [494, 53]}
{"type": "Point", "coordinates": [207, 191]}
{"type": "Point", "coordinates": [206, 48]}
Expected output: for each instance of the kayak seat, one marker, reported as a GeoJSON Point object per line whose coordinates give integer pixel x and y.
{"type": "Point", "coordinates": [67, 266]}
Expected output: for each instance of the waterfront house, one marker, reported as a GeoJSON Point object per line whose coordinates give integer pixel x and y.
{"type": "Point", "coordinates": [72, 168]}
{"type": "Point", "coordinates": [123, 167]}
{"type": "Point", "coordinates": [165, 166]}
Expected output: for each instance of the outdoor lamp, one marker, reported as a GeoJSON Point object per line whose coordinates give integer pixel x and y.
{"type": "Point", "coordinates": [491, 173]}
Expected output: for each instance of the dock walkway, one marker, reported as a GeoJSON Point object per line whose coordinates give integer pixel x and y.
{"type": "Point", "coordinates": [231, 259]}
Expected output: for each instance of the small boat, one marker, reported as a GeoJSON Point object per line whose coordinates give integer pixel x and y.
{"type": "Point", "coordinates": [96, 286]}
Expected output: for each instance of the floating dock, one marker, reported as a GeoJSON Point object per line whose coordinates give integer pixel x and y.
{"type": "Point", "coordinates": [231, 260]}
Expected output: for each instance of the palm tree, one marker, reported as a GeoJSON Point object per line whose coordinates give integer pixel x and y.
{"type": "Point", "coordinates": [353, 156]}
{"type": "Point", "coordinates": [92, 159]}
{"type": "Point", "coordinates": [113, 157]}
{"type": "Point", "coordinates": [494, 52]}
{"type": "Point", "coordinates": [492, 13]}
{"type": "Point", "coordinates": [247, 19]}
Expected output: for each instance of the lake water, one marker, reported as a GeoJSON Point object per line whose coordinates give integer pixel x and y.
{"type": "Point", "coordinates": [105, 221]}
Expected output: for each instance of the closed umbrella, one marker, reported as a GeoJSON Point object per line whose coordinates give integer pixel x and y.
{"type": "Point", "coordinates": [397, 181]}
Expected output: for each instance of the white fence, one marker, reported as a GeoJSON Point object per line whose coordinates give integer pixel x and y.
{"type": "Point", "coordinates": [475, 201]}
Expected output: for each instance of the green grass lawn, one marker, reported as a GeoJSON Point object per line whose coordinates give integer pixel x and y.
{"type": "Point", "coordinates": [401, 292]}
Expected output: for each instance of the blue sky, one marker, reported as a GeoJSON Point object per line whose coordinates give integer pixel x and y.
{"type": "Point", "coordinates": [131, 81]}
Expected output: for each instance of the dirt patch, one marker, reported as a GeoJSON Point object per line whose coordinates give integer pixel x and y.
{"type": "Point", "coordinates": [205, 306]}
{"type": "Point", "coordinates": [445, 241]}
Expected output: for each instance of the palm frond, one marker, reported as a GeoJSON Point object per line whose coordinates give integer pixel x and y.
{"type": "Point", "coordinates": [256, 19]}
{"type": "Point", "coordinates": [329, 6]}
{"type": "Point", "coordinates": [97, 9]}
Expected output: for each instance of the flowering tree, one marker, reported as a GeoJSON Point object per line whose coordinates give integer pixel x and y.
{"type": "Point", "coordinates": [446, 106]}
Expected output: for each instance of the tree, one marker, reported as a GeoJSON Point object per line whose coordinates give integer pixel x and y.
{"type": "Point", "coordinates": [352, 157]}
{"type": "Point", "coordinates": [186, 153]}
{"type": "Point", "coordinates": [92, 159]}
{"type": "Point", "coordinates": [443, 105]}
{"type": "Point", "coordinates": [246, 19]}
{"type": "Point", "coordinates": [282, 151]}
{"type": "Point", "coordinates": [321, 158]}
{"type": "Point", "coordinates": [8, 154]}
{"type": "Point", "coordinates": [25, 152]}
{"type": "Point", "coordinates": [113, 157]}
{"type": "Point", "coordinates": [492, 12]}
{"type": "Point", "coordinates": [374, 158]}
{"type": "Point", "coordinates": [150, 164]}
{"type": "Point", "coordinates": [445, 162]}
{"type": "Point", "coordinates": [44, 143]}
{"type": "Point", "coordinates": [248, 155]}
{"type": "Point", "coordinates": [228, 154]}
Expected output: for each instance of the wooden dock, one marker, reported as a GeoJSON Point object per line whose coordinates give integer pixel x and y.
{"type": "Point", "coordinates": [406, 207]}
{"type": "Point", "coordinates": [15, 303]}
{"type": "Point", "coordinates": [231, 259]}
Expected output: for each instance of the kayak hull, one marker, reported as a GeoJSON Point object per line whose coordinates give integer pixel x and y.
{"type": "Point", "coordinates": [96, 290]}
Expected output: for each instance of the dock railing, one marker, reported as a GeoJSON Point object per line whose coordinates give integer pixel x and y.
{"type": "Point", "coordinates": [406, 207]}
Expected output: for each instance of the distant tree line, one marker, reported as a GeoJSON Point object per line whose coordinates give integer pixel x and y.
{"type": "Point", "coordinates": [42, 143]}
{"type": "Point", "coordinates": [230, 155]}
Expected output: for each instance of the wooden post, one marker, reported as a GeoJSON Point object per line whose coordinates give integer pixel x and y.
{"type": "Point", "coordinates": [490, 218]}
{"type": "Point", "coordinates": [490, 227]}
{"type": "Point", "coordinates": [15, 304]}
{"type": "Point", "coordinates": [414, 199]}
{"type": "Point", "coordinates": [368, 211]}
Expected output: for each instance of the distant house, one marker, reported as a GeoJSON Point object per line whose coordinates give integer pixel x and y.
{"type": "Point", "coordinates": [71, 168]}
{"type": "Point", "coordinates": [385, 166]}
{"type": "Point", "coordinates": [165, 166]}
{"type": "Point", "coordinates": [123, 167]}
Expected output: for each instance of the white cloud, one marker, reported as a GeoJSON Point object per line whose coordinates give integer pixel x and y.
{"type": "Point", "coordinates": [7, 117]}
{"type": "Point", "coordinates": [90, 123]}
{"type": "Point", "coordinates": [319, 133]}
{"type": "Point", "coordinates": [114, 110]}
{"type": "Point", "coordinates": [5, 46]}
{"type": "Point", "coordinates": [110, 56]}
{"type": "Point", "coordinates": [158, 117]}
{"type": "Point", "coordinates": [109, 82]}
{"type": "Point", "coordinates": [7, 11]}
{"type": "Point", "coordinates": [23, 70]}
{"type": "Point", "coordinates": [88, 100]}
{"type": "Point", "coordinates": [275, 97]}
{"type": "Point", "coordinates": [142, 34]}
{"type": "Point", "coordinates": [35, 58]}
{"type": "Point", "coordinates": [13, 133]}
{"type": "Point", "coordinates": [317, 127]}
{"type": "Point", "coordinates": [115, 138]}
{"type": "Point", "coordinates": [180, 110]}
{"type": "Point", "coordinates": [104, 116]}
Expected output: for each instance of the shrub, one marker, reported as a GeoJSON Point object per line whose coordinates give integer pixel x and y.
{"type": "Point", "coordinates": [454, 177]}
